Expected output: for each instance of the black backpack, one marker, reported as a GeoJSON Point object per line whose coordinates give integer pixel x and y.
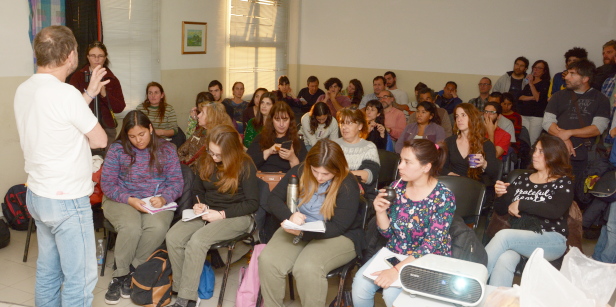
{"type": "Point", "coordinates": [14, 207]}
{"type": "Point", "coordinates": [5, 234]}
{"type": "Point", "coordinates": [151, 282]}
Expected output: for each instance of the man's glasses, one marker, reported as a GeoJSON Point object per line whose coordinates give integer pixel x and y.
{"type": "Point", "coordinates": [489, 112]}
{"type": "Point", "coordinates": [216, 156]}
{"type": "Point", "coordinates": [93, 56]}
{"type": "Point", "coordinates": [484, 84]}
{"type": "Point", "coordinates": [384, 96]}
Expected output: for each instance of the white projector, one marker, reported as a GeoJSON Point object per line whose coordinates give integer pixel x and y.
{"type": "Point", "coordinates": [446, 279]}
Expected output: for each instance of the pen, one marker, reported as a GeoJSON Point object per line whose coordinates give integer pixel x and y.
{"type": "Point", "coordinates": [156, 192]}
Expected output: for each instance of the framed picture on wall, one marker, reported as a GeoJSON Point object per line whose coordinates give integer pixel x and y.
{"type": "Point", "coordinates": [194, 37]}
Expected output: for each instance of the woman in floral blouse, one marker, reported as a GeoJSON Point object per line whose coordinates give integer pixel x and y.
{"type": "Point", "coordinates": [416, 223]}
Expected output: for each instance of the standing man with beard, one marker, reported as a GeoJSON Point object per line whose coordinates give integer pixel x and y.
{"type": "Point", "coordinates": [561, 114]}
{"type": "Point", "coordinates": [56, 131]}
{"type": "Point", "coordinates": [513, 81]}
{"type": "Point", "coordinates": [608, 69]}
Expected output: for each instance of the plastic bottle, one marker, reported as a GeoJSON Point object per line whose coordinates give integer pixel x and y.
{"type": "Point", "coordinates": [293, 193]}
{"type": "Point", "coordinates": [99, 252]}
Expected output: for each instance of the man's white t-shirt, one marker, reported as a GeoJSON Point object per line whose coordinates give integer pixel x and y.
{"type": "Point", "coordinates": [52, 120]}
{"type": "Point", "coordinates": [401, 97]}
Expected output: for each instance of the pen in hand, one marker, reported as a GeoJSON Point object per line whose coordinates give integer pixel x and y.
{"type": "Point", "coordinates": [156, 192]}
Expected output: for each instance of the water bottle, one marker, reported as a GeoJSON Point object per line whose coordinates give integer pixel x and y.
{"type": "Point", "coordinates": [99, 252]}
{"type": "Point", "coordinates": [293, 193]}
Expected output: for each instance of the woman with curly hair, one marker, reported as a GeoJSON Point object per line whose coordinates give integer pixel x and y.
{"type": "Point", "coordinates": [469, 139]}
{"type": "Point", "coordinates": [319, 124]}
{"type": "Point", "coordinates": [538, 204]}
{"type": "Point", "coordinates": [278, 148]}
{"type": "Point", "coordinates": [192, 117]}
{"type": "Point", "coordinates": [333, 97]}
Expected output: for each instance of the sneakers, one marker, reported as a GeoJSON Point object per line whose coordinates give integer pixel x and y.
{"type": "Point", "coordinates": [119, 287]}
{"type": "Point", "coordinates": [113, 294]}
{"type": "Point", "coordinates": [184, 303]}
{"type": "Point", "coordinates": [126, 289]}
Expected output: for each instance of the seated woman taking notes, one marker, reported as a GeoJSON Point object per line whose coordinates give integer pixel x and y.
{"type": "Point", "coordinates": [139, 164]}
{"type": "Point", "coordinates": [328, 192]}
{"type": "Point", "coordinates": [226, 182]}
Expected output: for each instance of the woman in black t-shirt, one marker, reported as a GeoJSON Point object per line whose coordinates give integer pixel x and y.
{"type": "Point", "coordinates": [534, 99]}
{"type": "Point", "coordinates": [538, 203]}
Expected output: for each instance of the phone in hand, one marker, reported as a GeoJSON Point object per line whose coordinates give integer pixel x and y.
{"type": "Point", "coordinates": [392, 261]}
{"type": "Point", "coordinates": [287, 144]}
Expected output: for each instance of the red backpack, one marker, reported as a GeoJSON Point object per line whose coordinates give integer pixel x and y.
{"type": "Point", "coordinates": [14, 207]}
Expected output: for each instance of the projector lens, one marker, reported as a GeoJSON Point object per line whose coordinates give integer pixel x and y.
{"type": "Point", "coordinates": [458, 285]}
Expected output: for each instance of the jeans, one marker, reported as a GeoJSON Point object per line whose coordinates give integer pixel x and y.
{"type": "Point", "coordinates": [605, 250]}
{"type": "Point", "coordinates": [67, 251]}
{"type": "Point", "coordinates": [364, 289]}
{"type": "Point", "coordinates": [505, 248]}
{"type": "Point", "coordinates": [534, 126]}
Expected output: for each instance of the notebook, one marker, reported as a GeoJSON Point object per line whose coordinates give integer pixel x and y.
{"type": "Point", "coordinates": [318, 226]}
{"type": "Point", "coordinates": [189, 214]}
{"type": "Point", "coordinates": [378, 264]}
{"type": "Point", "coordinates": [148, 206]}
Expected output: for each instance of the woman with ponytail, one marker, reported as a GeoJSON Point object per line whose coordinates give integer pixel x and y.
{"type": "Point", "coordinates": [416, 222]}
{"type": "Point", "coordinates": [328, 192]}
{"type": "Point", "coordinates": [469, 145]}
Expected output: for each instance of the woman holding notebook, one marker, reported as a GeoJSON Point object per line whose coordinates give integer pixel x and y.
{"type": "Point", "coordinates": [138, 165]}
{"type": "Point", "coordinates": [416, 222]}
{"type": "Point", "coordinates": [328, 192]}
{"type": "Point", "coordinates": [226, 188]}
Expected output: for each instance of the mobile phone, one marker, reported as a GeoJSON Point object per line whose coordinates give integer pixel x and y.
{"type": "Point", "coordinates": [287, 144]}
{"type": "Point", "coordinates": [302, 99]}
{"type": "Point", "coordinates": [392, 261]}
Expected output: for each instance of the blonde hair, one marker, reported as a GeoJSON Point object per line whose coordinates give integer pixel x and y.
{"type": "Point", "coordinates": [216, 114]}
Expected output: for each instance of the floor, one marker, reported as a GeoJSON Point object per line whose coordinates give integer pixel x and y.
{"type": "Point", "coordinates": [17, 279]}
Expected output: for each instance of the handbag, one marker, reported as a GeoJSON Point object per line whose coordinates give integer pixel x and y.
{"type": "Point", "coordinates": [271, 178]}
{"type": "Point", "coordinates": [206, 282]}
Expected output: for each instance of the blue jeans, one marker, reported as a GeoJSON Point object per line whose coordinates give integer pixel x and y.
{"type": "Point", "coordinates": [67, 251]}
{"type": "Point", "coordinates": [364, 290]}
{"type": "Point", "coordinates": [505, 248]}
{"type": "Point", "coordinates": [605, 250]}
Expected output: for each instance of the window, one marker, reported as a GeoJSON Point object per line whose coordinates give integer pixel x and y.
{"type": "Point", "coordinates": [131, 34]}
{"type": "Point", "coordinates": [257, 43]}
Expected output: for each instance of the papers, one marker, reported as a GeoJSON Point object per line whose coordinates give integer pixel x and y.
{"type": "Point", "coordinates": [148, 206]}
{"type": "Point", "coordinates": [318, 226]}
{"type": "Point", "coordinates": [378, 264]}
{"type": "Point", "coordinates": [189, 214]}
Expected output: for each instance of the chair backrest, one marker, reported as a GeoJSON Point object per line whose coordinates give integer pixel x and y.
{"type": "Point", "coordinates": [515, 173]}
{"type": "Point", "coordinates": [389, 167]}
{"type": "Point", "coordinates": [469, 196]}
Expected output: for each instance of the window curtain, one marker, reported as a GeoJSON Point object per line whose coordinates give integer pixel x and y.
{"type": "Point", "coordinates": [84, 18]}
{"type": "Point", "coordinates": [45, 13]}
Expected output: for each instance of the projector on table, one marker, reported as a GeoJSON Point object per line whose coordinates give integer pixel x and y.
{"type": "Point", "coordinates": [446, 279]}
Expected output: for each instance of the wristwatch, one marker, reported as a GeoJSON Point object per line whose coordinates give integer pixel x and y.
{"type": "Point", "coordinates": [298, 237]}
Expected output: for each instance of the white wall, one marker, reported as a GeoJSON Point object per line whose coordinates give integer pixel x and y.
{"type": "Point", "coordinates": [468, 37]}
{"type": "Point", "coordinates": [16, 65]}
{"type": "Point", "coordinates": [173, 12]}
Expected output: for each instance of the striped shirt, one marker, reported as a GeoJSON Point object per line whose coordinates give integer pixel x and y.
{"type": "Point", "coordinates": [169, 122]}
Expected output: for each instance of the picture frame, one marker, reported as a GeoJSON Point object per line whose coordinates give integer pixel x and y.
{"type": "Point", "coordinates": [194, 37]}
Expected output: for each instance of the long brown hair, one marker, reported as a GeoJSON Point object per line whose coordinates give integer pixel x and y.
{"type": "Point", "coordinates": [137, 118]}
{"type": "Point", "coordinates": [476, 134]}
{"type": "Point", "coordinates": [268, 136]}
{"type": "Point", "coordinates": [556, 156]}
{"type": "Point", "coordinates": [216, 114]}
{"type": "Point", "coordinates": [259, 120]}
{"type": "Point", "coordinates": [232, 168]}
{"type": "Point", "coordinates": [319, 109]}
{"type": "Point", "coordinates": [328, 154]}
{"type": "Point", "coordinates": [162, 106]}
{"type": "Point", "coordinates": [348, 115]}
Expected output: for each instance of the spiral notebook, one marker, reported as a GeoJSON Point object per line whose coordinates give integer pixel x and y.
{"type": "Point", "coordinates": [318, 226]}
{"type": "Point", "coordinates": [148, 206]}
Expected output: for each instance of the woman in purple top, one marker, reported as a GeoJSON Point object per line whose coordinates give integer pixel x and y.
{"type": "Point", "coordinates": [139, 164]}
{"type": "Point", "coordinates": [416, 223]}
{"type": "Point", "coordinates": [428, 126]}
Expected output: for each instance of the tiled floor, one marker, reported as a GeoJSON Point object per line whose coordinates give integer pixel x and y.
{"type": "Point", "coordinates": [17, 278]}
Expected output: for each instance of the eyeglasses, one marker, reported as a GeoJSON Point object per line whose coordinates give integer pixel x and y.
{"type": "Point", "coordinates": [489, 112]}
{"type": "Point", "coordinates": [384, 96]}
{"type": "Point", "coordinates": [484, 84]}
{"type": "Point", "coordinates": [93, 56]}
{"type": "Point", "coordinates": [216, 156]}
